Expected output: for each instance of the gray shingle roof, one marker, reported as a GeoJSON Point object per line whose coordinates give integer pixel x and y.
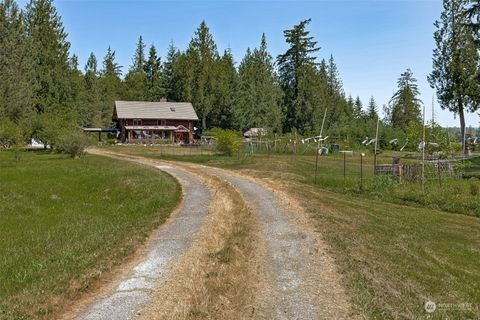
{"type": "Point", "coordinates": [155, 110]}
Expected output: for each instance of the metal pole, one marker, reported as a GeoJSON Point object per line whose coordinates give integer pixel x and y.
{"type": "Point", "coordinates": [439, 173]}
{"type": "Point", "coordinates": [375, 154]}
{"type": "Point", "coordinates": [423, 153]}
{"type": "Point", "coordinates": [361, 172]}
{"type": "Point", "coordinates": [318, 145]}
{"type": "Point", "coordinates": [321, 130]}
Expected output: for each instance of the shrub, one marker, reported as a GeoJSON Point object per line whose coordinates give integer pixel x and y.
{"type": "Point", "coordinates": [474, 187]}
{"type": "Point", "coordinates": [73, 144]}
{"type": "Point", "coordinates": [228, 142]}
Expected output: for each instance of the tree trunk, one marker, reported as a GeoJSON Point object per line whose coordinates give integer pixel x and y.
{"type": "Point", "coordinates": [462, 125]}
{"type": "Point", "coordinates": [204, 123]}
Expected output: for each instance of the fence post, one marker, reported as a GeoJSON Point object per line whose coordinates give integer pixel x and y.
{"type": "Point", "coordinates": [361, 171]}
{"type": "Point", "coordinates": [439, 174]}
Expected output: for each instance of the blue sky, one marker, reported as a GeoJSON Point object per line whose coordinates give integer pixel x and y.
{"type": "Point", "coordinates": [373, 42]}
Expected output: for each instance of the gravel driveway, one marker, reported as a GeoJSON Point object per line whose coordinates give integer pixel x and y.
{"type": "Point", "coordinates": [302, 277]}
{"type": "Point", "coordinates": [134, 290]}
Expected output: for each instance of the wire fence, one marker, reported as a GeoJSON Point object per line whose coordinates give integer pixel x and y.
{"type": "Point", "coordinates": [327, 164]}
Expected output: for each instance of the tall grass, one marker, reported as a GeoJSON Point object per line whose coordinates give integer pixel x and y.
{"type": "Point", "coordinates": [63, 223]}
{"type": "Point", "coordinates": [395, 251]}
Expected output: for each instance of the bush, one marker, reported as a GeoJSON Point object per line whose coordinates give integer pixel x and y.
{"type": "Point", "coordinates": [228, 142]}
{"type": "Point", "coordinates": [73, 144]}
{"type": "Point", "coordinates": [474, 187]}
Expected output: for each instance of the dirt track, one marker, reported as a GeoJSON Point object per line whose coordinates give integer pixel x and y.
{"type": "Point", "coordinates": [292, 277]}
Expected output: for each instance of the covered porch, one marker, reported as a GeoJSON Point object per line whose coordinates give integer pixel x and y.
{"type": "Point", "coordinates": [157, 134]}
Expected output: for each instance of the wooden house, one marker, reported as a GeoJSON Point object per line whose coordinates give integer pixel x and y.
{"type": "Point", "coordinates": [154, 121]}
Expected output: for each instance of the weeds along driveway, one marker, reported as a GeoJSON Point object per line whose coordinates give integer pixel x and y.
{"type": "Point", "coordinates": [302, 279]}
{"type": "Point", "coordinates": [133, 291]}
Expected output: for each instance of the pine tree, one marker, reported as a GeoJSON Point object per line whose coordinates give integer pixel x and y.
{"type": "Point", "coordinates": [226, 78]}
{"type": "Point", "coordinates": [473, 14]}
{"type": "Point", "coordinates": [138, 61]}
{"type": "Point", "coordinates": [50, 51]}
{"type": "Point", "coordinates": [16, 78]}
{"type": "Point", "coordinates": [110, 67]}
{"type": "Point", "coordinates": [258, 95]}
{"type": "Point", "coordinates": [168, 73]}
{"type": "Point", "coordinates": [335, 96]}
{"type": "Point", "coordinates": [372, 112]}
{"type": "Point", "coordinates": [77, 96]}
{"type": "Point", "coordinates": [202, 55]}
{"type": "Point", "coordinates": [153, 69]}
{"type": "Point", "coordinates": [358, 112]}
{"type": "Point", "coordinates": [349, 107]}
{"type": "Point", "coordinates": [110, 85]}
{"type": "Point", "coordinates": [93, 106]}
{"type": "Point", "coordinates": [405, 105]}
{"type": "Point", "coordinates": [295, 63]}
{"type": "Point", "coordinates": [455, 62]}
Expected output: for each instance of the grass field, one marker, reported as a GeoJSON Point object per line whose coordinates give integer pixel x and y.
{"type": "Point", "coordinates": [394, 253]}
{"type": "Point", "coordinates": [65, 222]}
{"type": "Point", "coordinates": [443, 192]}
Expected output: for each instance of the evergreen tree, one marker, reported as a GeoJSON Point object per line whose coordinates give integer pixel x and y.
{"type": "Point", "coordinates": [258, 94]}
{"type": "Point", "coordinates": [16, 77]}
{"type": "Point", "coordinates": [473, 14]}
{"type": "Point", "coordinates": [335, 96]}
{"type": "Point", "coordinates": [77, 96]}
{"type": "Point", "coordinates": [168, 73]}
{"type": "Point", "coordinates": [405, 105]}
{"type": "Point", "coordinates": [110, 67]}
{"type": "Point", "coordinates": [93, 106]}
{"type": "Point", "coordinates": [334, 81]}
{"type": "Point", "coordinates": [153, 70]}
{"type": "Point", "coordinates": [349, 106]}
{"type": "Point", "coordinates": [455, 61]}
{"type": "Point", "coordinates": [226, 78]}
{"type": "Point", "coordinates": [372, 112]}
{"type": "Point", "coordinates": [136, 82]}
{"type": "Point", "coordinates": [110, 85]}
{"type": "Point", "coordinates": [50, 51]}
{"type": "Point", "coordinates": [202, 56]}
{"type": "Point", "coordinates": [183, 77]}
{"type": "Point", "coordinates": [358, 112]}
{"type": "Point", "coordinates": [138, 61]}
{"type": "Point", "coordinates": [295, 63]}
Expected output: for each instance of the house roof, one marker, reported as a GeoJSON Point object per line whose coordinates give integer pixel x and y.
{"type": "Point", "coordinates": [155, 110]}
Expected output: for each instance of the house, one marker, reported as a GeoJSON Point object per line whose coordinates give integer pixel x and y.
{"type": "Point", "coordinates": [150, 121]}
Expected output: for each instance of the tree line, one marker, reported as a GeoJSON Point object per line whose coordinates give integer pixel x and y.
{"type": "Point", "coordinates": [43, 90]}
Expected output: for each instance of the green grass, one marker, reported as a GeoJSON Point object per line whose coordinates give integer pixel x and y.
{"type": "Point", "coordinates": [443, 192]}
{"type": "Point", "coordinates": [65, 222]}
{"type": "Point", "coordinates": [395, 250]}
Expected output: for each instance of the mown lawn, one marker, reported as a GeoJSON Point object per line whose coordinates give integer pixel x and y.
{"type": "Point", "coordinates": [394, 253]}
{"type": "Point", "coordinates": [65, 222]}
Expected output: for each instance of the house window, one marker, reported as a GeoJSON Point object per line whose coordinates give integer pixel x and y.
{"type": "Point", "coordinates": [163, 122]}
{"type": "Point", "coordinates": [137, 122]}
